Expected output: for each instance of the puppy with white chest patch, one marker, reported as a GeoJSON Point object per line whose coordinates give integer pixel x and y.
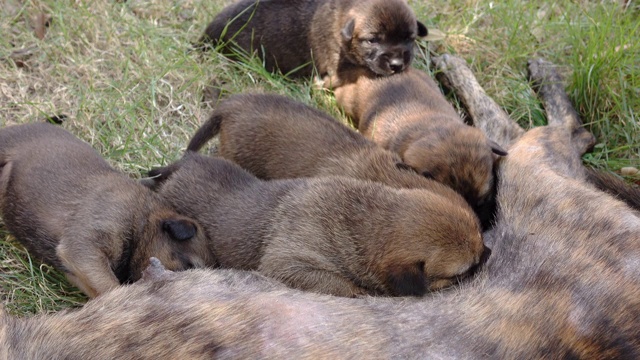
{"type": "Point", "coordinates": [335, 36]}
{"type": "Point", "coordinates": [68, 207]}
{"type": "Point", "coordinates": [333, 235]}
{"type": "Point", "coordinates": [408, 114]}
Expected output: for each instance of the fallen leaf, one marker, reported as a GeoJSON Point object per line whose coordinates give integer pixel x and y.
{"type": "Point", "coordinates": [629, 171]}
{"type": "Point", "coordinates": [40, 25]}
{"type": "Point", "coordinates": [435, 35]}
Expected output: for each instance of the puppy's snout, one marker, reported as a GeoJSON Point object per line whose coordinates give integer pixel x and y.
{"type": "Point", "coordinates": [396, 64]}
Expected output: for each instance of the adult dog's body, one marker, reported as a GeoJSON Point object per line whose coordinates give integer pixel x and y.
{"type": "Point", "coordinates": [563, 282]}
{"type": "Point", "coordinates": [335, 36]}
{"type": "Point", "coordinates": [68, 207]}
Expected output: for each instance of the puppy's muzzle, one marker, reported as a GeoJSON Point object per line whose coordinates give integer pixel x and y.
{"type": "Point", "coordinates": [398, 61]}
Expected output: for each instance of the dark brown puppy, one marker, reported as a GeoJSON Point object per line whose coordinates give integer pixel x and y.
{"type": "Point", "coordinates": [275, 137]}
{"type": "Point", "coordinates": [334, 35]}
{"type": "Point", "coordinates": [332, 235]}
{"type": "Point", "coordinates": [409, 115]}
{"type": "Point", "coordinates": [67, 206]}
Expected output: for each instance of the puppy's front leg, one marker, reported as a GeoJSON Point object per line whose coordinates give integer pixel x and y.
{"type": "Point", "coordinates": [87, 266]}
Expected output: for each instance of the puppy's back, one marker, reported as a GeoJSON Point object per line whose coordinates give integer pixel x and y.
{"type": "Point", "coordinates": [277, 128]}
{"type": "Point", "coordinates": [45, 171]}
{"type": "Point", "coordinates": [277, 30]}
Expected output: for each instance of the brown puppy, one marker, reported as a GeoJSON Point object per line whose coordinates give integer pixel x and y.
{"type": "Point", "coordinates": [275, 137]}
{"type": "Point", "coordinates": [67, 206]}
{"type": "Point", "coordinates": [333, 235]}
{"type": "Point", "coordinates": [334, 35]}
{"type": "Point", "coordinates": [409, 115]}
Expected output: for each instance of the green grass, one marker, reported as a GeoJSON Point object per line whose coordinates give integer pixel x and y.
{"type": "Point", "coordinates": [125, 75]}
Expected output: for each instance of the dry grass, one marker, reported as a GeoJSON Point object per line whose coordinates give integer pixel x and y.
{"type": "Point", "coordinates": [124, 75]}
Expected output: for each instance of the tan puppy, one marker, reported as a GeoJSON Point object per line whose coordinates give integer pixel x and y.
{"type": "Point", "coordinates": [275, 137]}
{"type": "Point", "coordinates": [331, 235]}
{"type": "Point", "coordinates": [334, 35]}
{"type": "Point", "coordinates": [409, 115]}
{"type": "Point", "coordinates": [67, 206]}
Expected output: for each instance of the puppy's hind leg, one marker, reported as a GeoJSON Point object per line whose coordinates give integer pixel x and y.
{"type": "Point", "coordinates": [86, 266]}
{"type": "Point", "coordinates": [301, 275]}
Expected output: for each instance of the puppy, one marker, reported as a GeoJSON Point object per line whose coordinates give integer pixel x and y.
{"type": "Point", "coordinates": [67, 206]}
{"type": "Point", "coordinates": [408, 114]}
{"type": "Point", "coordinates": [331, 235]}
{"type": "Point", "coordinates": [275, 137]}
{"type": "Point", "coordinates": [335, 36]}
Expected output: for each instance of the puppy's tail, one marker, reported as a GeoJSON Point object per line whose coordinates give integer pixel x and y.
{"type": "Point", "coordinates": [210, 129]}
{"type": "Point", "coordinates": [615, 186]}
{"type": "Point", "coordinates": [157, 176]}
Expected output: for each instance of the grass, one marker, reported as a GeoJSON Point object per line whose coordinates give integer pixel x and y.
{"type": "Point", "coordinates": [124, 75]}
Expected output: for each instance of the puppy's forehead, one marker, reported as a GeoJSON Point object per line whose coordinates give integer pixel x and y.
{"type": "Point", "coordinates": [389, 17]}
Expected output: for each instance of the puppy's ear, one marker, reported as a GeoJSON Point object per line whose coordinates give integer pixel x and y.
{"type": "Point", "coordinates": [347, 30]}
{"type": "Point", "coordinates": [497, 149]}
{"type": "Point", "coordinates": [157, 176]}
{"type": "Point", "coordinates": [179, 230]}
{"type": "Point", "coordinates": [422, 30]}
{"type": "Point", "coordinates": [408, 280]}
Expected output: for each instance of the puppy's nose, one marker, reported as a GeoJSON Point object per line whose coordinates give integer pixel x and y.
{"type": "Point", "coordinates": [396, 64]}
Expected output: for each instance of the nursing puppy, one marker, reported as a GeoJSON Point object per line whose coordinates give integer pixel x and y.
{"type": "Point", "coordinates": [68, 207]}
{"type": "Point", "coordinates": [333, 235]}
{"type": "Point", "coordinates": [334, 35]}
{"type": "Point", "coordinates": [409, 115]}
{"type": "Point", "coordinates": [275, 137]}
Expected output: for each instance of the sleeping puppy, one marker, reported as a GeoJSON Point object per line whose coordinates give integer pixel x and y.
{"type": "Point", "coordinates": [332, 235]}
{"type": "Point", "coordinates": [275, 137]}
{"type": "Point", "coordinates": [335, 36]}
{"type": "Point", "coordinates": [408, 114]}
{"type": "Point", "coordinates": [68, 207]}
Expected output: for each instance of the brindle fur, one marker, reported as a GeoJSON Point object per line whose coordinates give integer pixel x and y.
{"type": "Point", "coordinates": [275, 137]}
{"type": "Point", "coordinates": [408, 114]}
{"type": "Point", "coordinates": [333, 235]}
{"type": "Point", "coordinates": [67, 206]}
{"type": "Point", "coordinates": [336, 36]}
{"type": "Point", "coordinates": [563, 282]}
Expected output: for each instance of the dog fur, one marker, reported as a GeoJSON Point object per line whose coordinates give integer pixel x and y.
{"type": "Point", "coordinates": [335, 36]}
{"type": "Point", "coordinates": [563, 282]}
{"type": "Point", "coordinates": [333, 235]}
{"type": "Point", "coordinates": [67, 206]}
{"type": "Point", "coordinates": [275, 137]}
{"type": "Point", "coordinates": [409, 115]}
